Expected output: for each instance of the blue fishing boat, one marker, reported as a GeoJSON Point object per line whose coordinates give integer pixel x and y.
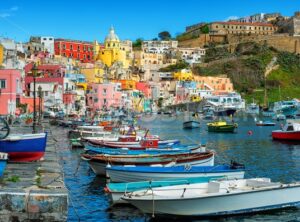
{"type": "Point", "coordinates": [117, 190]}
{"type": "Point", "coordinates": [175, 149]}
{"type": "Point", "coordinates": [3, 161]}
{"type": "Point", "coordinates": [139, 173]}
{"type": "Point", "coordinates": [24, 147]}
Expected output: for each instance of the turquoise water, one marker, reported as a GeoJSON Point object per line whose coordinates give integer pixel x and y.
{"type": "Point", "coordinates": [262, 156]}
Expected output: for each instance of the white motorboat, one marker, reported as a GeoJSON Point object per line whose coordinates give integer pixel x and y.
{"type": "Point", "coordinates": [224, 197]}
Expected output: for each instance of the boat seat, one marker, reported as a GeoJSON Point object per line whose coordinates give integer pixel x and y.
{"type": "Point", "coordinates": [213, 187]}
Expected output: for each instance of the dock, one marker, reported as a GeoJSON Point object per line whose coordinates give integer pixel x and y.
{"type": "Point", "coordinates": [34, 191]}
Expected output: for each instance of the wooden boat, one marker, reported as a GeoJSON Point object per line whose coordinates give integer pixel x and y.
{"type": "Point", "coordinates": [140, 173]}
{"type": "Point", "coordinates": [221, 126]}
{"type": "Point", "coordinates": [117, 190]}
{"type": "Point", "coordinates": [291, 131]}
{"type": "Point", "coordinates": [191, 124]}
{"type": "Point", "coordinates": [3, 162]}
{"type": "Point", "coordinates": [216, 198]}
{"type": "Point", "coordinates": [24, 148]}
{"type": "Point", "coordinates": [128, 141]}
{"type": "Point", "coordinates": [88, 131]}
{"type": "Point", "coordinates": [99, 163]}
{"type": "Point", "coordinates": [265, 123]}
{"type": "Point", "coordinates": [194, 148]}
{"type": "Point", "coordinates": [143, 144]}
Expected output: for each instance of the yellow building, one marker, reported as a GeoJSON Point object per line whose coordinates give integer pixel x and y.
{"type": "Point", "coordinates": [184, 75]}
{"type": "Point", "coordinates": [1, 54]}
{"type": "Point", "coordinates": [94, 75]}
{"type": "Point", "coordinates": [114, 50]}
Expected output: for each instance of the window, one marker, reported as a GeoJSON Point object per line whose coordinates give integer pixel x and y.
{"type": "Point", "coordinates": [50, 39]}
{"type": "Point", "coordinates": [64, 46]}
{"type": "Point", "coordinates": [78, 48]}
{"type": "Point", "coordinates": [44, 39]}
{"type": "Point", "coordinates": [104, 91]}
{"type": "Point", "coordinates": [2, 83]}
{"type": "Point", "coordinates": [84, 48]}
{"type": "Point", "coordinates": [96, 100]}
{"type": "Point", "coordinates": [71, 47]}
{"type": "Point", "coordinates": [104, 101]}
{"type": "Point", "coordinates": [46, 93]}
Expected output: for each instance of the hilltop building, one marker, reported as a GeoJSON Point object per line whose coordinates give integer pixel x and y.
{"type": "Point", "coordinates": [113, 51]}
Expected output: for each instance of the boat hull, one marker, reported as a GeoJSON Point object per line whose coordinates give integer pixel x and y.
{"type": "Point", "coordinates": [222, 129]}
{"type": "Point", "coordinates": [227, 112]}
{"type": "Point", "coordinates": [127, 176]}
{"type": "Point", "coordinates": [225, 204]}
{"type": "Point", "coordinates": [281, 135]}
{"type": "Point", "coordinates": [25, 148]}
{"type": "Point", "coordinates": [191, 124]}
{"type": "Point", "coordinates": [100, 167]}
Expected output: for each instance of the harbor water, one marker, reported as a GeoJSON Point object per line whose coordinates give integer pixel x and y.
{"type": "Point", "coordinates": [250, 145]}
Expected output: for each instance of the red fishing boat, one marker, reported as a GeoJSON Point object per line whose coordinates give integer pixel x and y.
{"type": "Point", "coordinates": [291, 131]}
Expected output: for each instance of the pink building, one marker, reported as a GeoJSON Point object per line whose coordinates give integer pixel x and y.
{"type": "Point", "coordinates": [10, 90]}
{"type": "Point", "coordinates": [145, 88]}
{"type": "Point", "coordinates": [104, 95]}
{"type": "Point", "coordinates": [47, 70]}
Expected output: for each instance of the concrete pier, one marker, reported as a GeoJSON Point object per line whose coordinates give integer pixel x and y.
{"type": "Point", "coordinates": [34, 191]}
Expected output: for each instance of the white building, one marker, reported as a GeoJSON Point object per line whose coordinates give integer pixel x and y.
{"type": "Point", "coordinates": [191, 55]}
{"type": "Point", "coordinates": [52, 94]}
{"type": "Point", "coordinates": [48, 43]}
{"type": "Point", "coordinates": [159, 47]}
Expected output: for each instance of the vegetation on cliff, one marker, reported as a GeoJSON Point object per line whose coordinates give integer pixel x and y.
{"type": "Point", "coordinates": [246, 67]}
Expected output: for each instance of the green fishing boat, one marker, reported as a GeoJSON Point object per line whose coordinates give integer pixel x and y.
{"type": "Point", "coordinates": [222, 127]}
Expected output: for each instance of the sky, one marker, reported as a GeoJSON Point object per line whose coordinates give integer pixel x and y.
{"type": "Point", "coordinates": [90, 20]}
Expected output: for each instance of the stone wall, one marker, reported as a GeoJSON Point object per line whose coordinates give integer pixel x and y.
{"type": "Point", "coordinates": [282, 42]}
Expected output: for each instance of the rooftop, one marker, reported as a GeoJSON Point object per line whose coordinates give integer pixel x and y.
{"type": "Point", "coordinates": [245, 23]}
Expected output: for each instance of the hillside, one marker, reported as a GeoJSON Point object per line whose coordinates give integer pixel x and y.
{"type": "Point", "coordinates": [246, 68]}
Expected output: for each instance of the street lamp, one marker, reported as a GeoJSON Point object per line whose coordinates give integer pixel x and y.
{"type": "Point", "coordinates": [34, 72]}
{"type": "Point", "coordinates": [40, 95]}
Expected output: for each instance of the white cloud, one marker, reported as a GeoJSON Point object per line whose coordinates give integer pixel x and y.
{"type": "Point", "coordinates": [233, 17]}
{"type": "Point", "coordinates": [4, 15]}
{"type": "Point", "coordinates": [8, 12]}
{"type": "Point", "coordinates": [14, 8]}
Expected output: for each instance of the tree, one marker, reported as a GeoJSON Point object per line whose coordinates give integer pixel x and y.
{"type": "Point", "coordinates": [137, 43]}
{"type": "Point", "coordinates": [165, 35]}
{"type": "Point", "coordinates": [204, 29]}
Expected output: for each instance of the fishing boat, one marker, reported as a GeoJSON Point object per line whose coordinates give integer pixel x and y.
{"type": "Point", "coordinates": [117, 190]}
{"type": "Point", "coordinates": [25, 147]}
{"type": "Point", "coordinates": [291, 131]}
{"type": "Point", "coordinates": [143, 144]}
{"type": "Point", "coordinates": [140, 173]}
{"type": "Point", "coordinates": [3, 162]}
{"type": "Point", "coordinates": [252, 108]}
{"type": "Point", "coordinates": [191, 124]}
{"type": "Point", "coordinates": [289, 107]}
{"type": "Point", "coordinates": [216, 198]}
{"type": "Point", "coordinates": [87, 131]}
{"type": "Point", "coordinates": [221, 126]}
{"type": "Point", "coordinates": [265, 123]}
{"type": "Point", "coordinates": [194, 148]}
{"type": "Point", "coordinates": [225, 111]}
{"type": "Point", "coordinates": [99, 163]}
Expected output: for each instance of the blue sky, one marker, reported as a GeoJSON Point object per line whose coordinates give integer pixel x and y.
{"type": "Point", "coordinates": [91, 19]}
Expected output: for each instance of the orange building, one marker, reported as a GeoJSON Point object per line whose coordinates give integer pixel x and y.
{"type": "Point", "coordinates": [216, 83]}
{"type": "Point", "coordinates": [127, 84]}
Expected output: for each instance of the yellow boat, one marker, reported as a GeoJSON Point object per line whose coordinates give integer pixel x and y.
{"type": "Point", "coordinates": [221, 126]}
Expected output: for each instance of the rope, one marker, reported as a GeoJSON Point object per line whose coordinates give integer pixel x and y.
{"type": "Point", "coordinates": [153, 204]}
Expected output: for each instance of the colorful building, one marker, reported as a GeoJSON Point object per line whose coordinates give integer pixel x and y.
{"type": "Point", "coordinates": [184, 75]}
{"type": "Point", "coordinates": [78, 50]}
{"type": "Point", "coordinates": [1, 54]}
{"type": "Point", "coordinates": [113, 51]}
{"type": "Point", "coordinates": [219, 84]}
{"type": "Point", "coordinates": [10, 90]}
{"type": "Point", "coordinates": [93, 75]}
{"type": "Point", "coordinates": [104, 95]}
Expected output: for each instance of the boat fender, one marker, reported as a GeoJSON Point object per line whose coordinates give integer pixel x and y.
{"type": "Point", "coordinates": [187, 167]}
